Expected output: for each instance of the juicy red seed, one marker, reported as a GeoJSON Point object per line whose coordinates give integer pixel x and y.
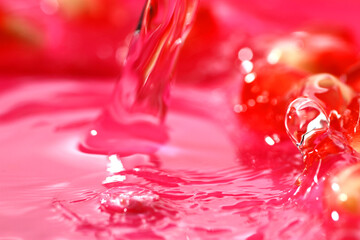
{"type": "Point", "coordinates": [352, 77]}
{"type": "Point", "coordinates": [260, 97]}
{"type": "Point", "coordinates": [342, 192]}
{"type": "Point", "coordinates": [314, 52]}
{"type": "Point", "coordinates": [326, 89]}
{"type": "Point", "coordinates": [350, 117]}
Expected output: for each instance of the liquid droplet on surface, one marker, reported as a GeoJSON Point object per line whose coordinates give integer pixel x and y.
{"type": "Point", "coordinates": [305, 118]}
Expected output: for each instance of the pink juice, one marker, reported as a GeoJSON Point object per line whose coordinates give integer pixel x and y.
{"type": "Point", "coordinates": [207, 157]}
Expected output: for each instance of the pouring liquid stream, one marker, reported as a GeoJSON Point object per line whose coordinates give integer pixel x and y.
{"type": "Point", "coordinates": [133, 121]}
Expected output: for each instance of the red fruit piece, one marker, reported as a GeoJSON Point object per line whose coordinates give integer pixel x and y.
{"type": "Point", "coordinates": [208, 55]}
{"type": "Point", "coordinates": [323, 149]}
{"type": "Point", "coordinates": [265, 95]}
{"type": "Point", "coordinates": [329, 91]}
{"type": "Point", "coordinates": [352, 77]}
{"type": "Point", "coordinates": [16, 31]}
{"type": "Point", "coordinates": [342, 192]}
{"type": "Point", "coordinates": [91, 11]}
{"type": "Point", "coordinates": [339, 102]}
{"type": "Point", "coordinates": [350, 122]}
{"type": "Point", "coordinates": [314, 52]}
{"type": "Point", "coordinates": [22, 43]}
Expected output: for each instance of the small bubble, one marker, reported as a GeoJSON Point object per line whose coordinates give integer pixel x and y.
{"type": "Point", "coordinates": [249, 78]}
{"type": "Point", "coordinates": [343, 197]}
{"type": "Point", "coordinates": [335, 187]}
{"type": "Point", "coordinates": [247, 66]}
{"type": "Point", "coordinates": [245, 54]}
{"type": "Point", "coordinates": [335, 216]}
{"type": "Point", "coordinates": [251, 103]}
{"type": "Point", "coordinates": [178, 41]}
{"type": "Point", "coordinates": [93, 132]}
{"type": "Point", "coordinates": [262, 99]}
{"type": "Point", "coordinates": [274, 56]}
{"type": "Point", "coordinates": [269, 141]}
{"type": "Point", "coordinates": [238, 108]}
{"type": "Point", "coordinates": [276, 138]}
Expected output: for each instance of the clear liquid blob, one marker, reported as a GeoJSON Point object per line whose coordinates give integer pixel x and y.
{"type": "Point", "coordinates": [304, 119]}
{"type": "Point", "coordinates": [329, 91]}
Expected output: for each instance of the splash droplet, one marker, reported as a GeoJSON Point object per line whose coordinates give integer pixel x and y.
{"type": "Point", "coordinates": [305, 118]}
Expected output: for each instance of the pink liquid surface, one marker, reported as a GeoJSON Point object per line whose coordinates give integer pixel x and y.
{"type": "Point", "coordinates": [212, 178]}
{"type": "Point", "coordinates": [210, 185]}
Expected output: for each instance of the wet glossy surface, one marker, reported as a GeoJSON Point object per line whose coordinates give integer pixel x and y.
{"type": "Point", "coordinates": [207, 185]}
{"type": "Point", "coordinates": [211, 162]}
